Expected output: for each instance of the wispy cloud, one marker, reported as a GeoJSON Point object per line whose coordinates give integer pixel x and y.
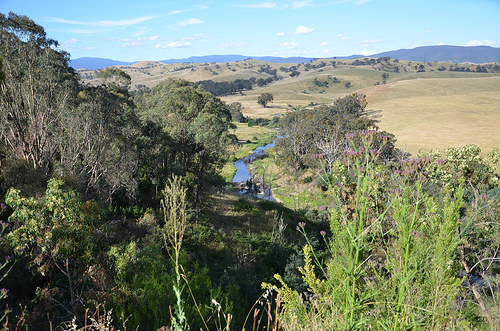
{"type": "Point", "coordinates": [133, 44]}
{"type": "Point", "coordinates": [175, 12]}
{"type": "Point", "coordinates": [482, 43]}
{"type": "Point", "coordinates": [191, 21]}
{"type": "Point", "coordinates": [303, 30]}
{"type": "Point", "coordinates": [174, 44]}
{"type": "Point", "coordinates": [70, 41]}
{"type": "Point", "coordinates": [300, 4]}
{"type": "Point", "coordinates": [342, 37]}
{"type": "Point", "coordinates": [357, 2]}
{"type": "Point", "coordinates": [323, 44]}
{"type": "Point", "coordinates": [104, 24]}
{"type": "Point", "coordinates": [89, 48]}
{"type": "Point", "coordinates": [87, 31]}
{"type": "Point", "coordinates": [280, 34]}
{"type": "Point", "coordinates": [265, 5]}
{"type": "Point", "coordinates": [197, 36]}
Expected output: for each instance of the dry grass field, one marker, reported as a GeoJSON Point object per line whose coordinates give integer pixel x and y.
{"type": "Point", "coordinates": [436, 113]}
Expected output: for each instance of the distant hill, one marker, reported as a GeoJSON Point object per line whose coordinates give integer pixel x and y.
{"type": "Point", "coordinates": [95, 63]}
{"type": "Point", "coordinates": [233, 58]}
{"type": "Point", "coordinates": [457, 54]}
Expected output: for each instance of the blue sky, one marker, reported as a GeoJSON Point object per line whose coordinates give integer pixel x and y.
{"type": "Point", "coordinates": [159, 30]}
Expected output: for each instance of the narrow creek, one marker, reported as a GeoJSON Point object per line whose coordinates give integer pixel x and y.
{"type": "Point", "coordinates": [245, 179]}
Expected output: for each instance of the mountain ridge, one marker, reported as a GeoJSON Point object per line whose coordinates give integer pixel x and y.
{"type": "Point", "coordinates": [439, 53]}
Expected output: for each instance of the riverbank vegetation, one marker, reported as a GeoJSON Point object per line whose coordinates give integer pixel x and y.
{"type": "Point", "coordinates": [118, 213]}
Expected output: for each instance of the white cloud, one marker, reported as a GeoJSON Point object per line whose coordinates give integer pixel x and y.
{"type": "Point", "coordinates": [303, 30]}
{"type": "Point", "coordinates": [342, 37]}
{"type": "Point", "coordinates": [366, 53]}
{"type": "Point", "coordinates": [280, 34]}
{"type": "Point", "coordinates": [197, 36]}
{"type": "Point", "coordinates": [289, 45]}
{"type": "Point", "coordinates": [190, 21]}
{"type": "Point", "coordinates": [89, 48]}
{"type": "Point", "coordinates": [482, 43]}
{"type": "Point", "coordinates": [300, 4]}
{"type": "Point", "coordinates": [174, 44]}
{"type": "Point", "coordinates": [71, 41]}
{"type": "Point", "coordinates": [107, 24]}
{"type": "Point", "coordinates": [323, 44]}
{"type": "Point", "coordinates": [265, 5]}
{"type": "Point", "coordinates": [325, 51]}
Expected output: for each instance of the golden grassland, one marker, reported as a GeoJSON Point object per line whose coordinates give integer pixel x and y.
{"type": "Point", "coordinates": [425, 110]}
{"type": "Point", "coordinates": [437, 113]}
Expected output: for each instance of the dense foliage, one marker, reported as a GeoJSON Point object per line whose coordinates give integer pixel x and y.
{"type": "Point", "coordinates": [118, 217]}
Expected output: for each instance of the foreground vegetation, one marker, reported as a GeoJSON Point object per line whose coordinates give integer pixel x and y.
{"type": "Point", "coordinates": [117, 213]}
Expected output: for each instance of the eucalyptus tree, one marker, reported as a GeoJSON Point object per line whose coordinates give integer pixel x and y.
{"type": "Point", "coordinates": [322, 131]}
{"type": "Point", "coordinates": [37, 88]}
{"type": "Point", "coordinates": [195, 132]}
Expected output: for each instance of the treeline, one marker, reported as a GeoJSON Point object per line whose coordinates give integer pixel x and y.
{"type": "Point", "coordinates": [80, 166]}
{"type": "Point", "coordinates": [236, 86]}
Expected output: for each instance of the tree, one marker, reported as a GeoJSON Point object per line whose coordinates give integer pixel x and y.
{"type": "Point", "coordinates": [37, 89]}
{"type": "Point", "coordinates": [197, 126]}
{"type": "Point", "coordinates": [97, 145]}
{"type": "Point", "coordinates": [321, 132]}
{"type": "Point", "coordinates": [264, 99]}
{"type": "Point", "coordinates": [114, 77]}
{"type": "Point", "coordinates": [385, 75]}
{"type": "Point", "coordinates": [236, 114]}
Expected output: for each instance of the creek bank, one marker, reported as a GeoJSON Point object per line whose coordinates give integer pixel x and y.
{"type": "Point", "coordinates": [248, 183]}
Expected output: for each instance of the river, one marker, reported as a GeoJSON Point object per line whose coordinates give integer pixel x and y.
{"type": "Point", "coordinates": [243, 175]}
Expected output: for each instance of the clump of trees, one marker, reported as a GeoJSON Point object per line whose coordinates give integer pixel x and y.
{"type": "Point", "coordinates": [264, 99]}
{"type": "Point", "coordinates": [322, 131]}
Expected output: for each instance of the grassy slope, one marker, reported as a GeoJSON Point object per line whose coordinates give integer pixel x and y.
{"type": "Point", "coordinates": [438, 113]}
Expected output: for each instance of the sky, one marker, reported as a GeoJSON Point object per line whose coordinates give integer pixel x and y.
{"type": "Point", "coordinates": [158, 30]}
